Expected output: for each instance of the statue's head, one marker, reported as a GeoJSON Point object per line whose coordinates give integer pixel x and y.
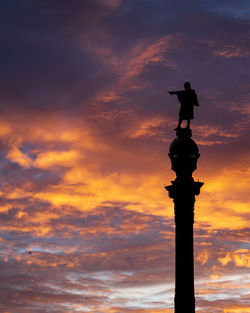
{"type": "Point", "coordinates": [187, 85]}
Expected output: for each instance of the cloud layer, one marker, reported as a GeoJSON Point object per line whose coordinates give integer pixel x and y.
{"type": "Point", "coordinates": [85, 126]}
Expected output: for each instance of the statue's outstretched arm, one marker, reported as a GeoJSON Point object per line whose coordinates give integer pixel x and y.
{"type": "Point", "coordinates": [174, 92]}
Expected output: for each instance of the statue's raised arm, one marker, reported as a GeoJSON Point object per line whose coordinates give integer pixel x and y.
{"type": "Point", "coordinates": [188, 99]}
{"type": "Point", "coordinates": [174, 92]}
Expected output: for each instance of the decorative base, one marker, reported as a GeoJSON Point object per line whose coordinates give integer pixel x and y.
{"type": "Point", "coordinates": [183, 132]}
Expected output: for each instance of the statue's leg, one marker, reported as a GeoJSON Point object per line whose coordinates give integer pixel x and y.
{"type": "Point", "coordinates": [179, 123]}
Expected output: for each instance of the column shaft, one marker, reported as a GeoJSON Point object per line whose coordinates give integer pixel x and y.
{"type": "Point", "coordinates": [184, 264]}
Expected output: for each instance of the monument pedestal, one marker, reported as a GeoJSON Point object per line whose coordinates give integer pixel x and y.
{"type": "Point", "coordinates": [184, 154]}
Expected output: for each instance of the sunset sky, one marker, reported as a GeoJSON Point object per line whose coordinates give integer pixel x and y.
{"type": "Point", "coordinates": [85, 127]}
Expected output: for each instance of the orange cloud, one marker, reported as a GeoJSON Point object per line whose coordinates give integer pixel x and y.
{"type": "Point", "coordinates": [83, 185]}
{"type": "Point", "coordinates": [237, 309]}
{"type": "Point", "coordinates": [56, 158]}
{"type": "Point", "coordinates": [16, 155]}
{"type": "Point", "coordinates": [150, 128]}
{"type": "Point", "coordinates": [240, 257]}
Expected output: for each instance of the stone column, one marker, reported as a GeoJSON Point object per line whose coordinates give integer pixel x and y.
{"type": "Point", "coordinates": [184, 154]}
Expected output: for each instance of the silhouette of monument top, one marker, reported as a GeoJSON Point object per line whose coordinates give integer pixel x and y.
{"type": "Point", "coordinates": [183, 151]}
{"type": "Point", "coordinates": [188, 99]}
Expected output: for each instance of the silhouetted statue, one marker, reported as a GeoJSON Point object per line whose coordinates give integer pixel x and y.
{"type": "Point", "coordinates": [187, 99]}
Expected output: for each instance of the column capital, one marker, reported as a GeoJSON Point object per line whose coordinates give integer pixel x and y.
{"type": "Point", "coordinates": [181, 188]}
